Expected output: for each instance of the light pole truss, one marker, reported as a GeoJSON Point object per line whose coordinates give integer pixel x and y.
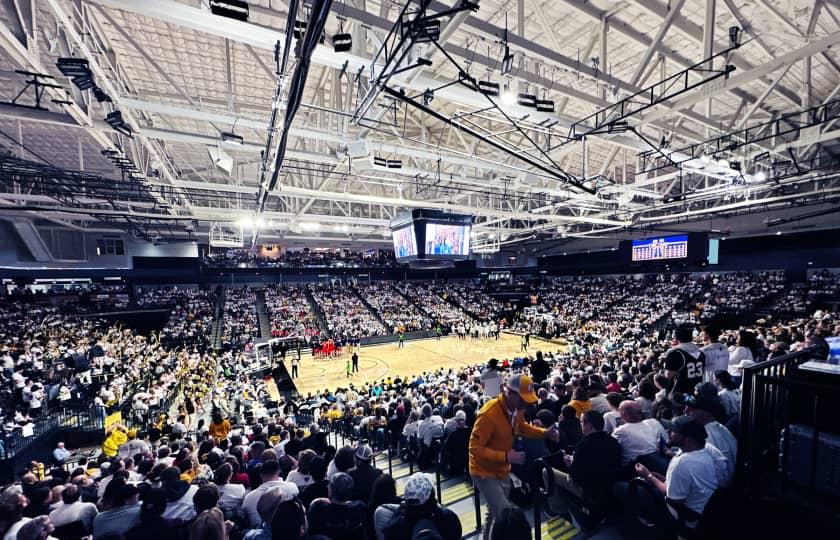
{"type": "Point", "coordinates": [785, 132]}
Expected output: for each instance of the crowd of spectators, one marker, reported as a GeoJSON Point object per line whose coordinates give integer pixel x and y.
{"type": "Point", "coordinates": [472, 299]}
{"type": "Point", "coordinates": [306, 258]}
{"type": "Point", "coordinates": [347, 317]}
{"type": "Point", "coordinates": [190, 318]}
{"type": "Point", "coordinates": [439, 310]}
{"type": "Point", "coordinates": [396, 312]}
{"type": "Point", "coordinates": [241, 325]}
{"type": "Point", "coordinates": [290, 312]}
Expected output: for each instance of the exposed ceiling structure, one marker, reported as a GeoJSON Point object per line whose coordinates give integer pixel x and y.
{"type": "Point", "coordinates": [653, 116]}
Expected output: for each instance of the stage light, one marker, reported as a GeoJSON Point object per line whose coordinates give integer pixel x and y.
{"type": "Point", "coordinates": [426, 30]}
{"type": "Point", "coordinates": [246, 222]}
{"type": "Point", "coordinates": [73, 67]}
{"type": "Point", "coordinates": [233, 139]}
{"type": "Point", "coordinates": [527, 100]}
{"type": "Point", "coordinates": [760, 176]}
{"type": "Point", "coordinates": [342, 42]}
{"type": "Point", "coordinates": [428, 96]}
{"type": "Point", "coordinates": [83, 82]}
{"type": "Point", "coordinates": [115, 120]}
{"type": "Point", "coordinates": [544, 105]}
{"type": "Point", "coordinates": [508, 96]}
{"type": "Point", "coordinates": [489, 88]}
{"type": "Point", "coordinates": [232, 9]}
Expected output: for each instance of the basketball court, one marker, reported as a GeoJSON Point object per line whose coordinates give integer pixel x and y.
{"type": "Point", "coordinates": [380, 361]}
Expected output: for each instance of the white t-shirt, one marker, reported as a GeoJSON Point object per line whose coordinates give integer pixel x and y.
{"type": "Point", "coordinates": [740, 353]}
{"type": "Point", "coordinates": [231, 496]}
{"type": "Point", "coordinates": [249, 503]}
{"type": "Point", "coordinates": [721, 438]}
{"type": "Point", "coordinates": [731, 401]}
{"type": "Point", "coordinates": [717, 359]}
{"type": "Point", "coordinates": [638, 439]}
{"type": "Point", "coordinates": [693, 477]}
{"type": "Point", "coordinates": [492, 383]}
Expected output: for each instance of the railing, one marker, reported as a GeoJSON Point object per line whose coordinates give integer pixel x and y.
{"type": "Point", "coordinates": [13, 443]}
{"type": "Point", "coordinates": [775, 395]}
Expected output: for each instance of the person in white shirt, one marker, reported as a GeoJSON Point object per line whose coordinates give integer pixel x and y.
{"type": "Point", "coordinates": [230, 495]}
{"type": "Point", "coordinates": [716, 433]}
{"type": "Point", "coordinates": [430, 427]}
{"type": "Point", "coordinates": [491, 380]}
{"type": "Point", "coordinates": [729, 393]}
{"type": "Point", "coordinates": [693, 475]}
{"type": "Point", "coordinates": [742, 354]}
{"type": "Point", "coordinates": [717, 355]}
{"type": "Point", "coordinates": [72, 509]}
{"type": "Point", "coordinates": [637, 437]}
{"type": "Point", "coordinates": [270, 478]}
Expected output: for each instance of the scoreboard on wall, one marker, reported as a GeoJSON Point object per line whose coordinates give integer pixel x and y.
{"type": "Point", "coordinates": [657, 249]}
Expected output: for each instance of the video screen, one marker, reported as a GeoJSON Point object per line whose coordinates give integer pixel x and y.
{"type": "Point", "coordinates": [662, 248]}
{"type": "Point", "coordinates": [405, 243]}
{"type": "Point", "coordinates": [442, 239]}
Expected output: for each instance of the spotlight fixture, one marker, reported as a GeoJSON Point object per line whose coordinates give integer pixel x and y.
{"type": "Point", "coordinates": [115, 120]}
{"type": "Point", "coordinates": [232, 138]}
{"type": "Point", "coordinates": [527, 100]}
{"type": "Point", "coordinates": [425, 30]}
{"type": "Point", "coordinates": [342, 42]}
{"type": "Point", "coordinates": [299, 29]}
{"type": "Point", "coordinates": [232, 9]}
{"type": "Point", "coordinates": [387, 163]}
{"type": "Point", "coordinates": [100, 95]}
{"type": "Point", "coordinates": [379, 161]}
{"type": "Point", "coordinates": [544, 105]}
{"type": "Point", "coordinates": [489, 88]}
{"type": "Point", "coordinates": [73, 67]}
{"type": "Point", "coordinates": [83, 83]}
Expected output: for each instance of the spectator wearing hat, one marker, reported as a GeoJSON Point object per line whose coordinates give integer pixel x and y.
{"type": "Point", "coordinates": [418, 512]}
{"type": "Point", "coordinates": [270, 475]}
{"type": "Point", "coordinates": [364, 474]}
{"type": "Point", "coordinates": [339, 516]}
{"type": "Point", "coordinates": [705, 410]}
{"type": "Point", "coordinates": [179, 496]}
{"type": "Point", "coordinates": [693, 475]}
{"type": "Point", "coordinates": [491, 442]}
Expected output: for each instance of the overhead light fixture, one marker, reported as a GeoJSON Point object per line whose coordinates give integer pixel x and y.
{"type": "Point", "coordinates": [428, 96]}
{"type": "Point", "coordinates": [544, 105]}
{"type": "Point", "coordinates": [489, 88]}
{"type": "Point", "coordinates": [760, 176]}
{"type": "Point", "coordinates": [380, 161]}
{"type": "Point", "coordinates": [527, 100]}
{"type": "Point", "coordinates": [100, 95]}
{"type": "Point", "coordinates": [115, 120]}
{"type": "Point", "coordinates": [310, 226]}
{"type": "Point", "coordinates": [83, 83]}
{"type": "Point", "coordinates": [73, 67]}
{"type": "Point", "coordinates": [394, 164]}
{"type": "Point", "coordinates": [342, 41]}
{"type": "Point", "coordinates": [508, 96]}
{"type": "Point", "coordinates": [232, 138]}
{"type": "Point", "coordinates": [299, 29]}
{"type": "Point", "coordinates": [221, 159]}
{"type": "Point", "coordinates": [232, 9]}
{"type": "Point", "coordinates": [425, 30]}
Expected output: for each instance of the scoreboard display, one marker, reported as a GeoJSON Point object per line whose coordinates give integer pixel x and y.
{"type": "Point", "coordinates": [661, 248]}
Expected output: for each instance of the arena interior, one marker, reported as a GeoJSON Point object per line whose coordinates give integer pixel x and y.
{"type": "Point", "coordinates": [415, 269]}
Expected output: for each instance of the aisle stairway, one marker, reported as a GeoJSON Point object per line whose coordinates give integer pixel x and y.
{"type": "Point", "coordinates": [217, 328]}
{"type": "Point", "coordinates": [457, 494]}
{"type": "Point", "coordinates": [262, 315]}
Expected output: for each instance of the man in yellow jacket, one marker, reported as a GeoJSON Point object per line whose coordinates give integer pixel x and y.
{"type": "Point", "coordinates": [499, 421]}
{"type": "Point", "coordinates": [114, 440]}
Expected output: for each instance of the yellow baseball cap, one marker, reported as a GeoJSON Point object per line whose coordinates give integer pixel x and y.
{"type": "Point", "coordinates": [524, 386]}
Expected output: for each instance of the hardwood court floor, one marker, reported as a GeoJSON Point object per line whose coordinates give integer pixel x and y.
{"type": "Point", "coordinates": [380, 361]}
